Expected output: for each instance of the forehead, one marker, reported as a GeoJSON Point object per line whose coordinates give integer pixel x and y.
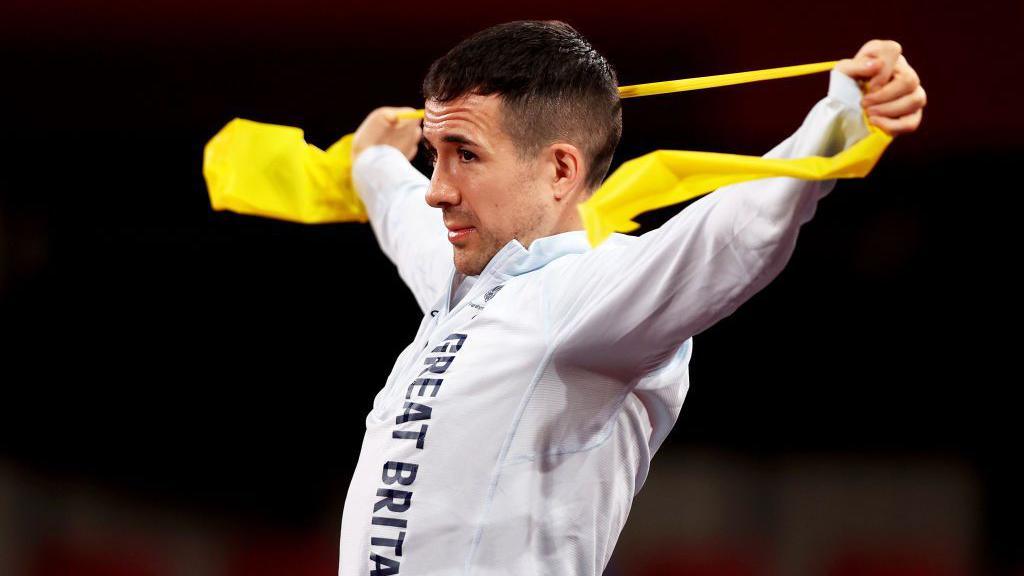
{"type": "Point", "coordinates": [474, 117]}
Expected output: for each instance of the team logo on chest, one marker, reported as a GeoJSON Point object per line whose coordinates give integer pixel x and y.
{"type": "Point", "coordinates": [490, 293]}
{"type": "Point", "coordinates": [487, 298]}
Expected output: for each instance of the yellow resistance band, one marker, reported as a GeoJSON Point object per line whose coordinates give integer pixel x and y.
{"type": "Point", "coordinates": [269, 170]}
{"type": "Point", "coordinates": [699, 83]}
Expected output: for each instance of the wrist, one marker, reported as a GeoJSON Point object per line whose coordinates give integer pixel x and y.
{"type": "Point", "coordinates": [845, 89]}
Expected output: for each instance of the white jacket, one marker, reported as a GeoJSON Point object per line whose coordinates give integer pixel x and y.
{"type": "Point", "coordinates": [515, 429]}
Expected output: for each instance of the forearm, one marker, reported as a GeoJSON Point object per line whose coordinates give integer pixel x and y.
{"type": "Point", "coordinates": [644, 296]}
{"type": "Point", "coordinates": [410, 232]}
{"type": "Point", "coordinates": [770, 212]}
{"type": "Point", "coordinates": [783, 203]}
{"type": "Point", "coordinates": [385, 180]}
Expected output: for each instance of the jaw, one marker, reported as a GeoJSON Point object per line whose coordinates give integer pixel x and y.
{"type": "Point", "coordinates": [471, 259]}
{"type": "Point", "coordinates": [466, 264]}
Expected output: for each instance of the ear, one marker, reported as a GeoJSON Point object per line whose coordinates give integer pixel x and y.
{"type": "Point", "coordinates": [568, 169]}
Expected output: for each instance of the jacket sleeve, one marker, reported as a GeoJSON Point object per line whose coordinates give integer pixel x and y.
{"type": "Point", "coordinates": [626, 306]}
{"type": "Point", "coordinates": [410, 232]}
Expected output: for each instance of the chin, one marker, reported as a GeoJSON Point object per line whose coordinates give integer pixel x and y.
{"type": "Point", "coordinates": [467, 264]}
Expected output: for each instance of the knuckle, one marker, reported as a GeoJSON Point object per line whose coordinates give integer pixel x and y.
{"type": "Point", "coordinates": [869, 47]}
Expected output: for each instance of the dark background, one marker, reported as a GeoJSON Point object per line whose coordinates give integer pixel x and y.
{"type": "Point", "coordinates": [223, 364]}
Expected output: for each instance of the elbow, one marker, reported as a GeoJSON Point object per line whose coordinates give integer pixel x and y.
{"type": "Point", "coordinates": [767, 246]}
{"type": "Point", "coordinates": [787, 205]}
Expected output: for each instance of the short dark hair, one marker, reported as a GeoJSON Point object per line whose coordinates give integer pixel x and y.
{"type": "Point", "coordinates": [553, 84]}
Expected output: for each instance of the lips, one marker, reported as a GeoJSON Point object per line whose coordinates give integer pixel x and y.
{"type": "Point", "coordinates": [457, 234]}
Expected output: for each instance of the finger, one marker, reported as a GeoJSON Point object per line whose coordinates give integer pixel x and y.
{"type": "Point", "coordinates": [886, 65]}
{"type": "Point", "coordinates": [903, 68]}
{"type": "Point", "coordinates": [897, 126]}
{"type": "Point", "coordinates": [906, 104]}
{"type": "Point", "coordinates": [897, 87]}
{"type": "Point", "coordinates": [396, 111]}
{"type": "Point", "coordinates": [889, 53]}
{"type": "Point", "coordinates": [852, 67]}
{"type": "Point", "coordinates": [387, 113]}
{"type": "Point", "coordinates": [858, 68]}
{"type": "Point", "coordinates": [878, 48]}
{"type": "Point", "coordinates": [412, 131]}
{"type": "Point", "coordinates": [870, 49]}
{"type": "Point", "coordinates": [902, 72]}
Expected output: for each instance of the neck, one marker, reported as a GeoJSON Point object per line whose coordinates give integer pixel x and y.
{"type": "Point", "coordinates": [569, 220]}
{"type": "Point", "coordinates": [558, 229]}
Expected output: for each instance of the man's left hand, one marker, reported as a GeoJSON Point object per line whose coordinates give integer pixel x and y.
{"type": "Point", "coordinates": [894, 97]}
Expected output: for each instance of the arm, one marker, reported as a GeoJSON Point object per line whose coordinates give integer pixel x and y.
{"type": "Point", "coordinates": [626, 306]}
{"type": "Point", "coordinates": [410, 232]}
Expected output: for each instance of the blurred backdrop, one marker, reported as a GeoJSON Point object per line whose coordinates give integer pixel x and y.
{"type": "Point", "coordinates": [184, 391]}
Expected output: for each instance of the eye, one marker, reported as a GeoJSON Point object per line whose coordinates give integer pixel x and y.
{"type": "Point", "coordinates": [464, 151]}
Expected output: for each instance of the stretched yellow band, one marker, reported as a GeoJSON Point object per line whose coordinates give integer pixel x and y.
{"type": "Point", "coordinates": [270, 170]}
{"type": "Point", "coordinates": [700, 82]}
{"type": "Point", "coordinates": [665, 177]}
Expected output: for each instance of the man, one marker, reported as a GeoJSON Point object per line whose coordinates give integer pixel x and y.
{"type": "Point", "coordinates": [514, 431]}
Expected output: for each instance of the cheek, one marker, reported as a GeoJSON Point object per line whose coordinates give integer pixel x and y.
{"type": "Point", "coordinates": [488, 202]}
{"type": "Point", "coordinates": [502, 201]}
{"type": "Point", "coordinates": [493, 217]}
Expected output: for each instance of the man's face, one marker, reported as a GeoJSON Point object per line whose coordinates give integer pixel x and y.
{"type": "Point", "coordinates": [487, 197]}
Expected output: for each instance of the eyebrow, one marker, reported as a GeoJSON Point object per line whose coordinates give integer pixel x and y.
{"type": "Point", "coordinates": [456, 138]}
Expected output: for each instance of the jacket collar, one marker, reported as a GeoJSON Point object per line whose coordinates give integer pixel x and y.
{"type": "Point", "coordinates": [513, 259]}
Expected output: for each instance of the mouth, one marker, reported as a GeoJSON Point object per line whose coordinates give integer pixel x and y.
{"type": "Point", "coordinates": [459, 233]}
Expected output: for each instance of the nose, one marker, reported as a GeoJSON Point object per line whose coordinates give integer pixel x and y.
{"type": "Point", "coordinates": [441, 192]}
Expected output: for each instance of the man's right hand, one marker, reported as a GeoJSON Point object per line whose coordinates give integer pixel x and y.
{"type": "Point", "coordinates": [381, 127]}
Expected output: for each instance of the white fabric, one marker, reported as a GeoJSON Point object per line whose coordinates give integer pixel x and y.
{"type": "Point", "coordinates": [520, 422]}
